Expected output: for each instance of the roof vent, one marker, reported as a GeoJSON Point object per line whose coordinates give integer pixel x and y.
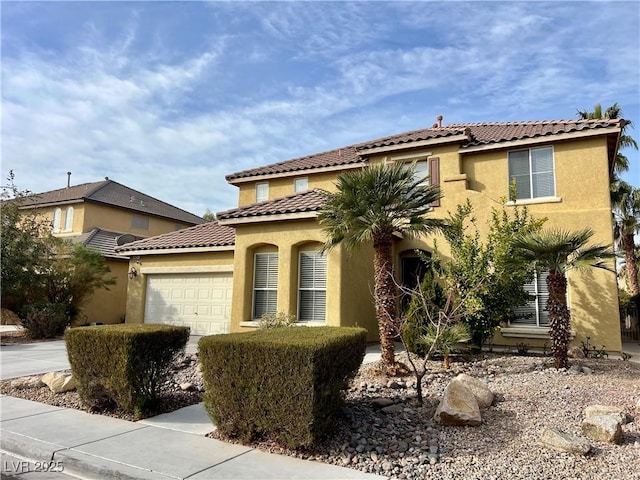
{"type": "Point", "coordinates": [439, 119]}
{"type": "Point", "coordinates": [68, 179]}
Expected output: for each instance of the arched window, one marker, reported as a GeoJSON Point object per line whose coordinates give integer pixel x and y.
{"type": "Point", "coordinates": [312, 286]}
{"type": "Point", "coordinates": [68, 221]}
{"type": "Point", "coordinates": [57, 214]}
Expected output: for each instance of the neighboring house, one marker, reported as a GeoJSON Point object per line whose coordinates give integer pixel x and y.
{"type": "Point", "coordinates": [102, 215]}
{"type": "Point", "coordinates": [273, 262]}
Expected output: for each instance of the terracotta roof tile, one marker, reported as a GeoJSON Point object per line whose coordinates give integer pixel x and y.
{"type": "Point", "coordinates": [209, 234]}
{"type": "Point", "coordinates": [477, 134]}
{"type": "Point", "coordinates": [115, 194]}
{"type": "Point", "coordinates": [309, 201]}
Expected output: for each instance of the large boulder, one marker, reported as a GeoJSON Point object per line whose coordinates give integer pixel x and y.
{"type": "Point", "coordinates": [59, 382]}
{"type": "Point", "coordinates": [603, 428]}
{"type": "Point", "coordinates": [480, 390]}
{"type": "Point", "coordinates": [563, 442]}
{"type": "Point", "coordinates": [595, 410]}
{"type": "Point", "coordinates": [7, 317]}
{"type": "Point", "coordinates": [458, 406]}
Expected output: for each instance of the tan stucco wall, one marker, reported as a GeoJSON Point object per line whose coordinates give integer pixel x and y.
{"type": "Point", "coordinates": [108, 306]}
{"type": "Point", "coordinates": [281, 187]}
{"type": "Point", "coordinates": [117, 220]}
{"type": "Point", "coordinates": [348, 275]}
{"type": "Point", "coordinates": [136, 288]}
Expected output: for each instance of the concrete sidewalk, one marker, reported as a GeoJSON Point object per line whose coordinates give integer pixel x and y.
{"type": "Point", "coordinates": [96, 446]}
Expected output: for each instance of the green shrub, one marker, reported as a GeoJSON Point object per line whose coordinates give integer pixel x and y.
{"type": "Point", "coordinates": [123, 365]}
{"type": "Point", "coordinates": [281, 384]}
{"type": "Point", "coordinates": [46, 320]}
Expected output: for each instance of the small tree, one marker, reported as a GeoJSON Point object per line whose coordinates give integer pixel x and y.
{"type": "Point", "coordinates": [475, 263]}
{"type": "Point", "coordinates": [21, 248]}
{"type": "Point", "coordinates": [558, 251]}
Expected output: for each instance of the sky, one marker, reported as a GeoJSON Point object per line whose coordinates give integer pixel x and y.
{"type": "Point", "coordinates": [169, 97]}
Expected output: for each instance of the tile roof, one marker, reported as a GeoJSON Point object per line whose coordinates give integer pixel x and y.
{"type": "Point", "coordinates": [477, 134]}
{"type": "Point", "coordinates": [333, 158]}
{"type": "Point", "coordinates": [115, 194]}
{"type": "Point", "coordinates": [309, 201]}
{"type": "Point", "coordinates": [210, 234]}
{"type": "Point", "coordinates": [101, 240]}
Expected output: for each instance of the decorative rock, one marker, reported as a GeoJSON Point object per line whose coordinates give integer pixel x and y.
{"type": "Point", "coordinates": [563, 442]}
{"type": "Point", "coordinates": [587, 370]}
{"type": "Point", "coordinates": [603, 428]}
{"type": "Point", "coordinates": [381, 402]}
{"type": "Point", "coordinates": [575, 352]}
{"type": "Point", "coordinates": [483, 395]}
{"type": "Point", "coordinates": [392, 409]}
{"type": "Point", "coordinates": [458, 406]}
{"type": "Point", "coordinates": [26, 382]}
{"type": "Point", "coordinates": [59, 382]}
{"type": "Point", "coordinates": [594, 410]}
{"type": "Point", "coordinates": [187, 386]}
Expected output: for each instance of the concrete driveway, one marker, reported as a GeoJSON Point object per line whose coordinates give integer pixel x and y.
{"type": "Point", "coordinates": [26, 359]}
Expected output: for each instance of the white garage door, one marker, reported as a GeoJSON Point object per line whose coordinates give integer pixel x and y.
{"type": "Point", "coordinates": [201, 301]}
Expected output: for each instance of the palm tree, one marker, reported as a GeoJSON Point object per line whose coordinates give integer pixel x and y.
{"type": "Point", "coordinates": [626, 223]}
{"type": "Point", "coordinates": [558, 251]}
{"type": "Point", "coordinates": [369, 206]}
{"type": "Point", "coordinates": [626, 141]}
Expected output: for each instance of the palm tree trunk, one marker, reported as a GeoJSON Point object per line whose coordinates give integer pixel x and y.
{"type": "Point", "coordinates": [631, 261]}
{"type": "Point", "coordinates": [559, 318]}
{"type": "Point", "coordinates": [385, 297]}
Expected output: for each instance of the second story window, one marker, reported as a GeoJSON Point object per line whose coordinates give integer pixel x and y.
{"type": "Point", "coordinates": [533, 172]}
{"type": "Point", "coordinates": [301, 184]}
{"type": "Point", "coordinates": [262, 191]}
{"type": "Point", "coordinates": [57, 218]}
{"type": "Point", "coordinates": [138, 222]}
{"type": "Point", "coordinates": [68, 220]}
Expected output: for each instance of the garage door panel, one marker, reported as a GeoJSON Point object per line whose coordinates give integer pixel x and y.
{"type": "Point", "coordinates": [199, 301]}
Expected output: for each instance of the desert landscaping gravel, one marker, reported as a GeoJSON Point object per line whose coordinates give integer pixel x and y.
{"type": "Point", "coordinates": [386, 432]}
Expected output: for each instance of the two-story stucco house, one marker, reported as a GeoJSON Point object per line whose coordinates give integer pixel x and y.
{"type": "Point", "coordinates": [102, 215]}
{"type": "Point", "coordinates": [263, 256]}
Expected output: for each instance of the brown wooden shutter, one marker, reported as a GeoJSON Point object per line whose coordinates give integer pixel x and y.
{"type": "Point", "coordinates": [434, 175]}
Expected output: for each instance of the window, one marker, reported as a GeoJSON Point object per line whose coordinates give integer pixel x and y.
{"type": "Point", "coordinates": [57, 215]}
{"type": "Point", "coordinates": [534, 314]}
{"type": "Point", "coordinates": [421, 172]}
{"type": "Point", "coordinates": [262, 192]}
{"type": "Point", "coordinates": [68, 220]}
{"type": "Point", "coordinates": [301, 184]}
{"type": "Point", "coordinates": [139, 222]}
{"type": "Point", "coordinates": [532, 171]}
{"type": "Point", "coordinates": [312, 287]}
{"type": "Point", "coordinates": [427, 172]}
{"type": "Point", "coordinates": [265, 284]}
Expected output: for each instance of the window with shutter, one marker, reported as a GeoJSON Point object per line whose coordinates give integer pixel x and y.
{"type": "Point", "coordinates": [533, 172]}
{"type": "Point", "coordinates": [312, 287]}
{"type": "Point", "coordinates": [265, 284]}
{"type": "Point", "coordinates": [534, 313]}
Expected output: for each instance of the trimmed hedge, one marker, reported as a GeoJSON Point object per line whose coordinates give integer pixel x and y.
{"type": "Point", "coordinates": [123, 364]}
{"type": "Point", "coordinates": [282, 384]}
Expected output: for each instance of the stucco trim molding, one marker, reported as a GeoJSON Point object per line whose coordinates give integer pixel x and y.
{"type": "Point", "coordinates": [188, 269]}
{"type": "Point", "coordinates": [530, 332]}
{"type": "Point", "coordinates": [269, 218]}
{"type": "Point", "coordinates": [165, 251]}
{"type": "Point", "coordinates": [534, 201]}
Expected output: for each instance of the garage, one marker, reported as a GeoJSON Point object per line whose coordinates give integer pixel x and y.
{"type": "Point", "coordinates": [201, 301]}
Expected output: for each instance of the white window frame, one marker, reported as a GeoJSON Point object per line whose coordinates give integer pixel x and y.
{"type": "Point", "coordinates": [317, 287]}
{"type": "Point", "coordinates": [531, 173]}
{"type": "Point", "coordinates": [68, 220]}
{"type": "Point", "coordinates": [537, 287]}
{"type": "Point", "coordinates": [271, 283]}
{"type": "Point", "coordinates": [301, 184]}
{"type": "Point", "coordinates": [262, 192]}
{"type": "Point", "coordinates": [57, 217]}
